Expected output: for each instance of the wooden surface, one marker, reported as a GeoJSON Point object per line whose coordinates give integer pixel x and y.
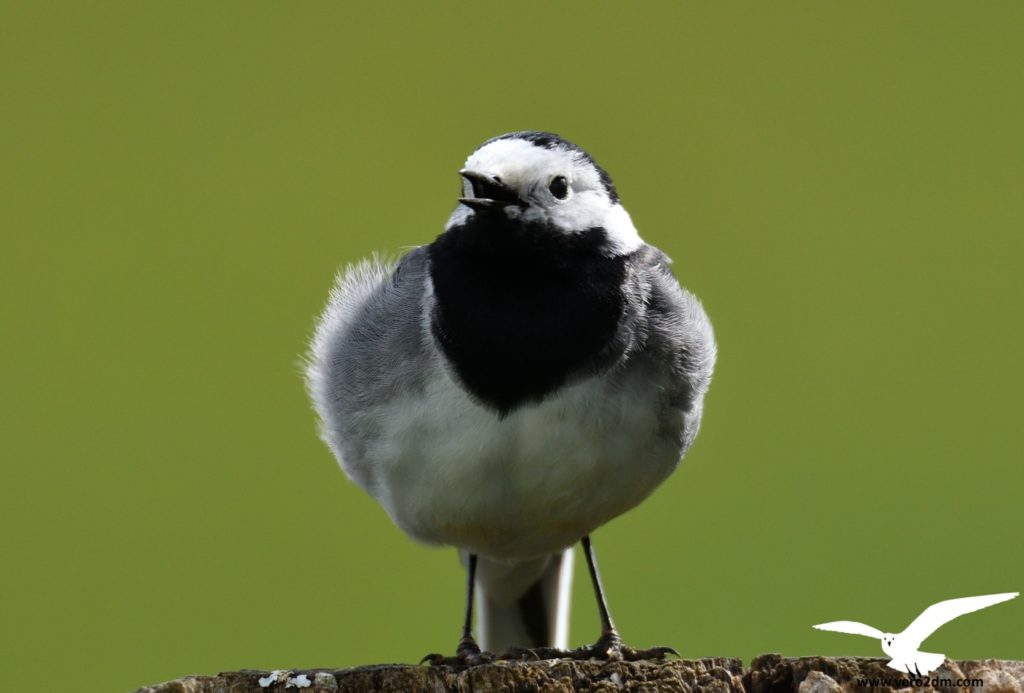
{"type": "Point", "coordinates": [766, 674]}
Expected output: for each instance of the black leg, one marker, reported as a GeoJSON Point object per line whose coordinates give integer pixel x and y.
{"type": "Point", "coordinates": [609, 645]}
{"type": "Point", "coordinates": [468, 652]}
{"type": "Point", "coordinates": [468, 646]}
{"type": "Point", "coordinates": [607, 627]}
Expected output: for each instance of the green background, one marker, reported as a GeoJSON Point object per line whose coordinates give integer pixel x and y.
{"type": "Point", "coordinates": [841, 183]}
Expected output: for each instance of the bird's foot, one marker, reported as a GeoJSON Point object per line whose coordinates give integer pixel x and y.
{"type": "Point", "coordinates": [610, 647]}
{"type": "Point", "coordinates": [467, 654]}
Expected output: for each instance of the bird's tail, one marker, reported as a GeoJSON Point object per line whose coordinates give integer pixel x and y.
{"type": "Point", "coordinates": [524, 604]}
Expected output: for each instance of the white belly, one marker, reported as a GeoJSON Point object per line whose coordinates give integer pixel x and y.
{"type": "Point", "coordinates": [449, 471]}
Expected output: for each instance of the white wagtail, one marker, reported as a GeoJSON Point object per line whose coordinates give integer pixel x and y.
{"type": "Point", "coordinates": [531, 374]}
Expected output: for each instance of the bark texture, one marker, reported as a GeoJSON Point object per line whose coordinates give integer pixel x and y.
{"type": "Point", "coordinates": [769, 673]}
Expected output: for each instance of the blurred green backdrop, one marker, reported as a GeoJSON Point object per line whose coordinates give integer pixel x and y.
{"type": "Point", "coordinates": [841, 183]}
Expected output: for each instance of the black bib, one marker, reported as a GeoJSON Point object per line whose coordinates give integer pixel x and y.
{"type": "Point", "coordinates": [522, 307]}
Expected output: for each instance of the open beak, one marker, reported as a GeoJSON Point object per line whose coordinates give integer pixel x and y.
{"type": "Point", "coordinates": [486, 192]}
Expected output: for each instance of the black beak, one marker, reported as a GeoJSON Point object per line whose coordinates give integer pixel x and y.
{"type": "Point", "coordinates": [488, 192]}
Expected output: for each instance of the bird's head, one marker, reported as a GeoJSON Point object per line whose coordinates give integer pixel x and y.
{"type": "Point", "coordinates": [541, 180]}
{"type": "Point", "coordinates": [887, 640]}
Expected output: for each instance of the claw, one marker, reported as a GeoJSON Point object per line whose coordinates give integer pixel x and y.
{"type": "Point", "coordinates": [604, 649]}
{"type": "Point", "coordinates": [467, 655]}
{"type": "Point", "coordinates": [631, 654]}
{"type": "Point", "coordinates": [658, 653]}
{"type": "Point", "coordinates": [610, 647]}
{"type": "Point", "coordinates": [437, 660]}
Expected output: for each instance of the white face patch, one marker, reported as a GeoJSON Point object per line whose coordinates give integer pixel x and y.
{"type": "Point", "coordinates": [521, 165]}
{"type": "Point", "coordinates": [529, 169]}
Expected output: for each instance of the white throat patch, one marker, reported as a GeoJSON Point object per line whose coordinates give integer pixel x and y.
{"type": "Point", "coordinates": [529, 169]}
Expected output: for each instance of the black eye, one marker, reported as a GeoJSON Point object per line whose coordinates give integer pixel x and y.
{"type": "Point", "coordinates": [559, 187]}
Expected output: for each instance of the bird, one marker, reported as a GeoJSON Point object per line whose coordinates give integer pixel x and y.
{"type": "Point", "coordinates": [530, 374]}
{"type": "Point", "coordinates": [903, 647]}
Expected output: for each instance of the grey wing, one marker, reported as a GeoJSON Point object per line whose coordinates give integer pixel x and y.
{"type": "Point", "coordinates": [678, 334]}
{"type": "Point", "coordinates": [369, 347]}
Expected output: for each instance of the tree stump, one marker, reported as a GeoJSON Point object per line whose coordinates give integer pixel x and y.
{"type": "Point", "coordinates": [769, 673]}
